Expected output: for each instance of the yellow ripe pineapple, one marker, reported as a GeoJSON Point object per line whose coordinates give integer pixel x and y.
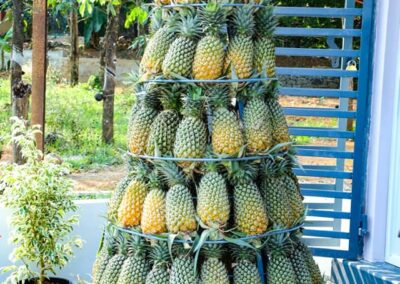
{"type": "Point", "coordinates": [180, 55]}
{"type": "Point", "coordinates": [130, 209]}
{"type": "Point", "coordinates": [264, 46]}
{"type": "Point", "coordinates": [209, 57]}
{"type": "Point", "coordinates": [154, 215]}
{"type": "Point", "coordinates": [240, 50]}
{"type": "Point", "coordinates": [226, 136]}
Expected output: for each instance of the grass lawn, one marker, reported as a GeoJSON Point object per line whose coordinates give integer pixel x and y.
{"type": "Point", "coordinates": [73, 124]}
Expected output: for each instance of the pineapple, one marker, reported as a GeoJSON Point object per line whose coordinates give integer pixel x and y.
{"type": "Point", "coordinates": [258, 130]}
{"type": "Point", "coordinates": [213, 206]}
{"type": "Point", "coordinates": [182, 271]}
{"type": "Point", "coordinates": [312, 266]}
{"type": "Point", "coordinates": [245, 272]}
{"type": "Point", "coordinates": [130, 209]}
{"type": "Point", "coordinates": [135, 267]}
{"type": "Point", "coordinates": [264, 47]}
{"type": "Point", "coordinates": [279, 267]}
{"type": "Point", "coordinates": [181, 215]}
{"type": "Point", "coordinates": [103, 257]}
{"type": "Point", "coordinates": [276, 198]}
{"type": "Point", "coordinates": [140, 124]}
{"type": "Point", "coordinates": [191, 136]}
{"type": "Point", "coordinates": [162, 2]}
{"type": "Point", "coordinates": [300, 267]}
{"type": "Point", "coordinates": [226, 135]}
{"type": "Point", "coordinates": [158, 45]}
{"type": "Point", "coordinates": [180, 55]}
{"type": "Point", "coordinates": [117, 196]}
{"type": "Point", "coordinates": [153, 216]}
{"type": "Point", "coordinates": [213, 270]}
{"type": "Point", "coordinates": [209, 57]}
{"type": "Point", "coordinates": [240, 50]}
{"type": "Point", "coordinates": [160, 257]}
{"type": "Point", "coordinates": [280, 129]}
{"type": "Point", "coordinates": [163, 130]}
{"type": "Point", "coordinates": [114, 265]}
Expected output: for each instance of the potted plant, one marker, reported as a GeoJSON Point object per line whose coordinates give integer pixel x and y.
{"type": "Point", "coordinates": [40, 198]}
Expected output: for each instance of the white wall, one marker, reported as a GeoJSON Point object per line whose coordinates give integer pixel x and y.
{"type": "Point", "coordinates": [383, 95]}
{"type": "Point", "coordinates": [91, 221]}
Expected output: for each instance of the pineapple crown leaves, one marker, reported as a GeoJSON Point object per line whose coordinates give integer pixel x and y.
{"type": "Point", "coordinates": [121, 243]}
{"type": "Point", "coordinates": [193, 102]}
{"type": "Point", "coordinates": [265, 21]}
{"type": "Point", "coordinates": [279, 244]}
{"type": "Point", "coordinates": [170, 97]}
{"type": "Point", "coordinates": [147, 95]}
{"type": "Point", "coordinates": [171, 173]}
{"type": "Point", "coordinates": [241, 172]}
{"type": "Point", "coordinates": [140, 169]}
{"type": "Point", "coordinates": [157, 20]}
{"type": "Point", "coordinates": [159, 254]}
{"type": "Point", "coordinates": [188, 26]}
{"type": "Point", "coordinates": [242, 21]}
{"type": "Point", "coordinates": [136, 247]}
{"type": "Point", "coordinates": [154, 180]}
{"type": "Point", "coordinates": [244, 253]}
{"type": "Point", "coordinates": [213, 18]}
{"type": "Point", "coordinates": [255, 91]}
{"type": "Point", "coordinates": [272, 90]}
{"type": "Point", "coordinates": [218, 96]}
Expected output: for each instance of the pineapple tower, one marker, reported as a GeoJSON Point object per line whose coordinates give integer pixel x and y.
{"type": "Point", "coordinates": [210, 196]}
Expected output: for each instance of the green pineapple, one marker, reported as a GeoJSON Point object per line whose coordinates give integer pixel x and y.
{"type": "Point", "coordinates": [209, 57]}
{"type": "Point", "coordinates": [135, 267]}
{"type": "Point", "coordinates": [300, 267]}
{"type": "Point", "coordinates": [160, 257]}
{"type": "Point", "coordinates": [158, 45]}
{"type": "Point", "coordinates": [140, 124]}
{"type": "Point", "coordinates": [191, 136]}
{"type": "Point", "coordinates": [226, 136]}
{"type": "Point", "coordinates": [182, 271]}
{"type": "Point", "coordinates": [163, 129]}
{"type": "Point", "coordinates": [240, 50]}
{"type": "Point", "coordinates": [180, 55]}
{"type": "Point", "coordinates": [246, 271]}
{"type": "Point", "coordinates": [114, 265]}
{"type": "Point", "coordinates": [256, 119]}
{"type": "Point", "coordinates": [264, 46]}
{"type": "Point", "coordinates": [213, 206]}
{"type": "Point", "coordinates": [312, 266]}
{"type": "Point", "coordinates": [103, 257]}
{"type": "Point", "coordinates": [213, 270]}
{"type": "Point", "coordinates": [276, 198]}
{"type": "Point", "coordinates": [117, 196]}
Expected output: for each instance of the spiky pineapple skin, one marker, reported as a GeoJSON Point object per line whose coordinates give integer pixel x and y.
{"type": "Point", "coordinates": [280, 270]}
{"type": "Point", "coordinates": [139, 130]}
{"type": "Point", "coordinates": [100, 265]}
{"type": "Point", "coordinates": [191, 139]}
{"type": "Point", "coordinates": [214, 271]}
{"type": "Point", "coordinates": [280, 129]}
{"type": "Point", "coordinates": [249, 208]}
{"type": "Point", "coordinates": [264, 56]}
{"type": "Point", "coordinates": [156, 50]}
{"type": "Point", "coordinates": [312, 266]}
{"type": "Point", "coordinates": [240, 56]}
{"type": "Point", "coordinates": [227, 137]}
{"type": "Point", "coordinates": [158, 275]}
{"type": "Point", "coordinates": [154, 214]}
{"type": "Point", "coordinates": [180, 212]}
{"type": "Point", "coordinates": [246, 272]}
{"type": "Point", "coordinates": [295, 198]}
{"type": "Point", "coordinates": [213, 205]}
{"type": "Point", "coordinates": [113, 270]}
{"type": "Point", "coordinates": [300, 268]}
{"type": "Point", "coordinates": [209, 58]}
{"type": "Point", "coordinates": [277, 201]}
{"type": "Point", "coordinates": [117, 196]}
{"type": "Point", "coordinates": [179, 58]}
{"type": "Point", "coordinates": [162, 133]}
{"type": "Point", "coordinates": [134, 271]}
{"type": "Point", "coordinates": [182, 271]}
{"type": "Point", "coordinates": [257, 126]}
{"type": "Point", "coordinates": [130, 209]}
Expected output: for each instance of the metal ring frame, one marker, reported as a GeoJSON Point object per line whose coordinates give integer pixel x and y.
{"type": "Point", "coordinates": [175, 159]}
{"type": "Point", "coordinates": [216, 81]}
{"type": "Point", "coordinates": [195, 5]}
{"type": "Point", "coordinates": [221, 241]}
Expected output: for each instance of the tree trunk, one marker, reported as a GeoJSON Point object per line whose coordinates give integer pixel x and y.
{"type": "Point", "coordinates": [3, 63]}
{"type": "Point", "coordinates": [74, 52]}
{"type": "Point", "coordinates": [110, 46]}
{"type": "Point", "coordinates": [19, 94]}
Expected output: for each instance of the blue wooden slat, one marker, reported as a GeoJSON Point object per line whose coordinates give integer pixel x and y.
{"type": "Point", "coordinates": [316, 32]}
{"type": "Point", "coordinates": [333, 253]}
{"type": "Point", "coordinates": [320, 186]}
{"type": "Point", "coordinates": [325, 154]}
{"type": "Point", "coordinates": [319, 112]}
{"type": "Point", "coordinates": [327, 234]}
{"type": "Point", "coordinates": [320, 132]}
{"type": "Point", "coordinates": [318, 223]}
{"type": "Point", "coordinates": [321, 173]}
{"type": "Point", "coordinates": [320, 72]}
{"type": "Point", "coordinates": [314, 92]}
{"type": "Point", "coordinates": [328, 214]}
{"type": "Point", "coordinates": [326, 193]}
{"type": "Point", "coordinates": [319, 206]}
{"type": "Point", "coordinates": [317, 12]}
{"type": "Point", "coordinates": [319, 167]}
{"type": "Point", "coordinates": [282, 51]}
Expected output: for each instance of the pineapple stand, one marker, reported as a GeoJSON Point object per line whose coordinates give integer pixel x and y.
{"type": "Point", "coordinates": [210, 196]}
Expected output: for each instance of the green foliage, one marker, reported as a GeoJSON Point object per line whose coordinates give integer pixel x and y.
{"type": "Point", "coordinates": [40, 198]}
{"type": "Point", "coordinates": [135, 13]}
{"type": "Point", "coordinates": [5, 41]}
